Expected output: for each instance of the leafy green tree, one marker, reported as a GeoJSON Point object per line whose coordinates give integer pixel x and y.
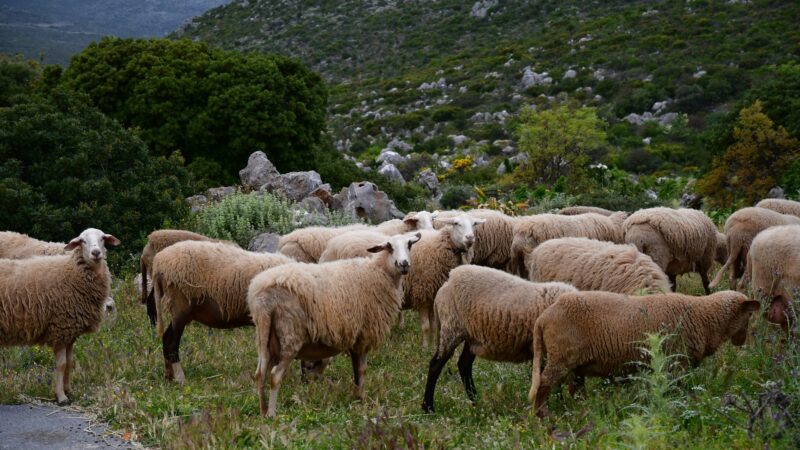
{"type": "Point", "coordinates": [64, 167]}
{"type": "Point", "coordinates": [16, 77]}
{"type": "Point", "coordinates": [207, 103]}
{"type": "Point", "coordinates": [560, 141]}
{"type": "Point", "coordinates": [753, 164]}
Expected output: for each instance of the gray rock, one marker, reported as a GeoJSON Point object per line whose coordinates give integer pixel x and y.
{"type": "Point", "coordinates": [365, 201]}
{"type": "Point", "coordinates": [481, 8]}
{"type": "Point", "coordinates": [429, 180]}
{"type": "Point", "coordinates": [776, 192]}
{"type": "Point", "coordinates": [501, 169]}
{"type": "Point", "coordinates": [391, 172]}
{"type": "Point", "coordinates": [391, 157]}
{"type": "Point", "coordinates": [324, 193]}
{"type": "Point", "coordinates": [258, 172]}
{"type": "Point", "coordinates": [519, 158]}
{"type": "Point", "coordinates": [294, 185]}
{"type": "Point", "coordinates": [219, 193]}
{"type": "Point", "coordinates": [531, 78]}
{"type": "Point", "coordinates": [197, 202]}
{"type": "Point", "coordinates": [264, 243]}
{"type": "Point", "coordinates": [399, 146]}
{"type": "Point", "coordinates": [570, 74]}
{"type": "Point", "coordinates": [458, 139]}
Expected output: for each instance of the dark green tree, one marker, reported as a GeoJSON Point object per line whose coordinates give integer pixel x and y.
{"type": "Point", "coordinates": [64, 167]}
{"type": "Point", "coordinates": [214, 106]}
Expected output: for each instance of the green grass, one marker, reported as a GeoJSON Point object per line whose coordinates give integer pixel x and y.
{"type": "Point", "coordinates": [121, 380]}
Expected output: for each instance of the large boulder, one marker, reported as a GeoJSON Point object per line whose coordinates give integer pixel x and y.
{"type": "Point", "coordinates": [391, 172]}
{"type": "Point", "coordinates": [429, 181]}
{"type": "Point", "coordinates": [363, 200]}
{"type": "Point", "coordinates": [264, 243]}
{"type": "Point", "coordinates": [259, 171]}
{"type": "Point", "coordinates": [294, 185]}
{"type": "Point", "coordinates": [197, 202]}
{"type": "Point", "coordinates": [217, 194]}
{"type": "Point", "coordinates": [391, 157]}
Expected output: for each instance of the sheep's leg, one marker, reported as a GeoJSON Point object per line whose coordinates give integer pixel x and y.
{"type": "Point", "coordinates": [552, 374]}
{"type": "Point", "coordinates": [673, 282]}
{"type": "Point", "coordinates": [171, 342]}
{"type": "Point", "coordinates": [425, 324]}
{"type": "Point", "coordinates": [70, 366]}
{"type": "Point", "coordinates": [61, 368]}
{"type": "Point", "coordinates": [359, 361]}
{"type": "Point", "coordinates": [435, 367]}
{"type": "Point", "coordinates": [465, 362]}
{"type": "Point", "coordinates": [401, 322]}
{"type": "Point", "coordinates": [275, 381]}
{"type": "Point", "coordinates": [578, 383]}
{"type": "Point", "coordinates": [704, 278]}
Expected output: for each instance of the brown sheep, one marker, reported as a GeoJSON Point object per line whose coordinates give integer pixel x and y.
{"type": "Point", "coordinates": [596, 333]}
{"type": "Point", "coordinates": [740, 229]}
{"type": "Point", "coordinates": [576, 210]}
{"type": "Point", "coordinates": [780, 205]}
{"type": "Point", "coordinates": [679, 240]}
{"type": "Point", "coordinates": [774, 262]}
{"type": "Point", "coordinates": [19, 246]}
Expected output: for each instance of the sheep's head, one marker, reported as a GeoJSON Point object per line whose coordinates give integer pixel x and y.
{"type": "Point", "coordinates": [740, 318]}
{"type": "Point", "coordinates": [399, 249]}
{"type": "Point", "coordinates": [462, 230]}
{"type": "Point", "coordinates": [422, 220]}
{"type": "Point", "coordinates": [92, 243]}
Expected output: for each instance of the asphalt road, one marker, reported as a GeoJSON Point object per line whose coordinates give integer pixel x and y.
{"type": "Point", "coordinates": [40, 427]}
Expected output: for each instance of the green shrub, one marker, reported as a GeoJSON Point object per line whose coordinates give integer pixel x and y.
{"type": "Point", "coordinates": [456, 196]}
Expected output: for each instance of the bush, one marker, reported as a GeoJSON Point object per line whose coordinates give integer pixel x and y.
{"type": "Point", "coordinates": [456, 196]}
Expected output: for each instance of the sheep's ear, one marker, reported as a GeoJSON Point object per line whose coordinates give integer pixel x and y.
{"type": "Point", "coordinates": [379, 248]}
{"type": "Point", "coordinates": [750, 306]}
{"type": "Point", "coordinates": [411, 220]}
{"type": "Point", "coordinates": [478, 222]}
{"type": "Point", "coordinates": [111, 240]}
{"type": "Point", "coordinates": [73, 244]}
{"type": "Point", "coordinates": [413, 241]}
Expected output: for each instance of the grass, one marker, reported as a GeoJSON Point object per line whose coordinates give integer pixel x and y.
{"type": "Point", "coordinates": [121, 380]}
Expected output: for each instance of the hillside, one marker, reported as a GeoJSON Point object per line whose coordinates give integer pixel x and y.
{"type": "Point", "coordinates": [61, 28]}
{"type": "Point", "coordinates": [438, 76]}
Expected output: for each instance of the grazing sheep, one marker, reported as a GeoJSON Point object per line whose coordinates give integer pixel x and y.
{"type": "Point", "coordinates": [740, 229]}
{"type": "Point", "coordinates": [316, 311]}
{"type": "Point", "coordinates": [530, 231]}
{"type": "Point", "coordinates": [774, 262]}
{"type": "Point", "coordinates": [492, 239]}
{"type": "Point", "coordinates": [19, 246]}
{"type": "Point", "coordinates": [204, 282]}
{"type": "Point", "coordinates": [433, 257]}
{"type": "Point", "coordinates": [307, 244]}
{"type": "Point", "coordinates": [52, 300]}
{"type": "Point", "coordinates": [157, 241]}
{"type": "Point", "coordinates": [422, 220]}
{"type": "Point", "coordinates": [679, 240]}
{"type": "Point", "coordinates": [722, 248]}
{"type": "Point", "coordinates": [592, 265]}
{"type": "Point", "coordinates": [493, 313]}
{"type": "Point", "coordinates": [782, 206]}
{"type": "Point", "coordinates": [576, 210]}
{"type": "Point", "coordinates": [600, 333]}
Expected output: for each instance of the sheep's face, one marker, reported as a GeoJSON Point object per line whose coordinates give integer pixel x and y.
{"type": "Point", "coordinates": [92, 243]}
{"type": "Point", "coordinates": [422, 220]}
{"type": "Point", "coordinates": [462, 232]}
{"type": "Point", "coordinates": [399, 249]}
{"type": "Point", "coordinates": [741, 320]}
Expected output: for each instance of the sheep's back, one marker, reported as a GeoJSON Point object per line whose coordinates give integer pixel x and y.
{"type": "Point", "coordinates": [781, 205]}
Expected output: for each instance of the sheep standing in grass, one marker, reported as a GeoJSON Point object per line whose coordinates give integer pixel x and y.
{"type": "Point", "coordinates": [316, 311]}
{"type": "Point", "coordinates": [679, 240]}
{"type": "Point", "coordinates": [19, 246]}
{"type": "Point", "coordinates": [492, 239]}
{"type": "Point", "coordinates": [492, 313]}
{"type": "Point", "coordinates": [774, 262]}
{"type": "Point", "coordinates": [576, 210]}
{"type": "Point", "coordinates": [740, 229]}
{"type": "Point", "coordinates": [52, 300]}
{"type": "Point", "coordinates": [530, 231]}
{"type": "Point", "coordinates": [157, 241]}
{"type": "Point", "coordinates": [600, 333]}
{"type": "Point", "coordinates": [205, 282]}
{"type": "Point", "coordinates": [782, 206]}
{"type": "Point", "coordinates": [592, 265]}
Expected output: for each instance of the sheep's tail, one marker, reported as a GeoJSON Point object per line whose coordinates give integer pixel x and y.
{"type": "Point", "coordinates": [733, 255]}
{"type": "Point", "coordinates": [536, 365]}
{"type": "Point", "coordinates": [159, 309]}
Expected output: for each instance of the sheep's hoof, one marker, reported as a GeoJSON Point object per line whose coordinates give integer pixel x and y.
{"type": "Point", "coordinates": [427, 409]}
{"type": "Point", "coordinates": [63, 402]}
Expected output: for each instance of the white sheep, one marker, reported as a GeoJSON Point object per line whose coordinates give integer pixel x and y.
{"type": "Point", "coordinates": [493, 314]}
{"type": "Point", "coordinates": [530, 231]}
{"type": "Point", "coordinates": [492, 239]}
{"type": "Point", "coordinates": [780, 205]}
{"type": "Point", "coordinates": [316, 311]}
{"type": "Point", "coordinates": [679, 240]}
{"type": "Point", "coordinates": [20, 246]}
{"type": "Point", "coordinates": [592, 265]}
{"type": "Point", "coordinates": [52, 300]}
{"type": "Point", "coordinates": [205, 282]}
{"type": "Point", "coordinates": [774, 264]}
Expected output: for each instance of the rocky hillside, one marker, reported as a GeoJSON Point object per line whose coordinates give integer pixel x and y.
{"type": "Point", "coordinates": [425, 84]}
{"type": "Point", "coordinates": [60, 28]}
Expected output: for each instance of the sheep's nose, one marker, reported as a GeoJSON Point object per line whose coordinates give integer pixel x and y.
{"type": "Point", "coordinates": [403, 266]}
{"type": "Point", "coordinates": [95, 253]}
{"type": "Point", "coordinates": [470, 239]}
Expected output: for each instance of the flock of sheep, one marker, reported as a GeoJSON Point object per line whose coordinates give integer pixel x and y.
{"type": "Point", "coordinates": [579, 289]}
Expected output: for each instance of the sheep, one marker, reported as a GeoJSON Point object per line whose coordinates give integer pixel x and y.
{"type": "Point", "coordinates": [492, 239]}
{"type": "Point", "coordinates": [592, 265]}
{"type": "Point", "coordinates": [157, 241]}
{"type": "Point", "coordinates": [740, 230]}
{"type": "Point", "coordinates": [307, 244]}
{"type": "Point", "coordinates": [679, 240]}
{"type": "Point", "coordinates": [722, 248]}
{"type": "Point", "coordinates": [433, 257]}
{"type": "Point", "coordinates": [782, 206]}
{"type": "Point", "coordinates": [495, 324]}
{"type": "Point", "coordinates": [774, 264]}
{"type": "Point", "coordinates": [52, 300]}
{"type": "Point", "coordinates": [204, 282]}
{"type": "Point", "coordinates": [530, 231]}
{"type": "Point", "coordinates": [596, 333]}
{"type": "Point", "coordinates": [422, 220]}
{"type": "Point", "coordinates": [19, 246]}
{"type": "Point", "coordinates": [316, 311]}
{"type": "Point", "coordinates": [576, 210]}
